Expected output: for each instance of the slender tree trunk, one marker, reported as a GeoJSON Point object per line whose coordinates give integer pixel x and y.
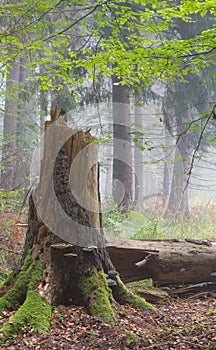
{"type": "Point", "coordinates": [168, 161]}
{"type": "Point", "coordinates": [9, 151]}
{"type": "Point", "coordinates": [43, 103]}
{"type": "Point", "coordinates": [122, 152]}
{"type": "Point", "coordinates": [178, 198]}
{"type": "Point", "coordinates": [25, 127]}
{"type": "Point", "coordinates": [139, 158]}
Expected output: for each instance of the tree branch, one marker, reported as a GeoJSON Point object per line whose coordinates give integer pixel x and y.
{"type": "Point", "coordinates": [76, 22]}
{"type": "Point", "coordinates": [212, 114]}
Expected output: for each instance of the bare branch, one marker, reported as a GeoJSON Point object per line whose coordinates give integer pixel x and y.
{"type": "Point", "coordinates": [212, 114]}
{"type": "Point", "coordinates": [76, 22]}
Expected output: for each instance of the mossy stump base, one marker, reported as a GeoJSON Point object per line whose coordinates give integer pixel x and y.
{"type": "Point", "coordinates": [30, 297]}
{"type": "Point", "coordinates": [41, 285]}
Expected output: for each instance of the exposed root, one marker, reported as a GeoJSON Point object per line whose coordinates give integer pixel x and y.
{"type": "Point", "coordinates": [97, 295]}
{"type": "Point", "coordinates": [16, 295]}
{"type": "Point", "coordinates": [35, 313]}
{"type": "Point", "coordinates": [32, 309]}
{"type": "Point", "coordinates": [124, 296]}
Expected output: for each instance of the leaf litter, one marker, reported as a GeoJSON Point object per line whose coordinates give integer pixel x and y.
{"type": "Point", "coordinates": [188, 324]}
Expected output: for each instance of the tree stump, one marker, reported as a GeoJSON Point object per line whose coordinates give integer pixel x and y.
{"type": "Point", "coordinates": [65, 259]}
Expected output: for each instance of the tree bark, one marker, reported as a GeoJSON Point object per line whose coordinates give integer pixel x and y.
{"type": "Point", "coordinates": [165, 262]}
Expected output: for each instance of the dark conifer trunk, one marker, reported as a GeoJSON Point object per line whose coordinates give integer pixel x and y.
{"type": "Point", "coordinates": [122, 150]}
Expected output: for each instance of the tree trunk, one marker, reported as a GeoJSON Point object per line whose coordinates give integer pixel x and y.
{"type": "Point", "coordinates": [139, 157]}
{"type": "Point", "coordinates": [65, 259]}
{"type": "Point", "coordinates": [122, 152]}
{"type": "Point", "coordinates": [9, 150]}
{"type": "Point", "coordinates": [178, 198]}
{"type": "Point", "coordinates": [25, 123]}
{"type": "Point", "coordinates": [165, 262]}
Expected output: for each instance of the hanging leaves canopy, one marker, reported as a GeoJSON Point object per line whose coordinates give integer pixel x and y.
{"type": "Point", "coordinates": [127, 39]}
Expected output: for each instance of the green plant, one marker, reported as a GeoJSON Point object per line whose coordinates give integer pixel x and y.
{"type": "Point", "coordinates": [211, 312]}
{"type": "Point", "coordinates": [133, 225]}
{"type": "Point", "coordinates": [11, 200]}
{"type": "Point", "coordinates": [131, 338]}
{"type": "Point", "coordinates": [113, 222]}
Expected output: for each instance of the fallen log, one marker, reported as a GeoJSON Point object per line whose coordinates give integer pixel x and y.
{"type": "Point", "coordinates": [165, 261]}
{"type": "Point", "coordinates": [200, 288]}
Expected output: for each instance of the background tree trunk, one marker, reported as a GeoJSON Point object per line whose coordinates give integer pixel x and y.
{"type": "Point", "coordinates": [122, 152]}
{"type": "Point", "coordinates": [9, 150]}
{"type": "Point", "coordinates": [178, 204]}
{"type": "Point", "coordinates": [139, 157]}
{"type": "Point", "coordinates": [25, 124]}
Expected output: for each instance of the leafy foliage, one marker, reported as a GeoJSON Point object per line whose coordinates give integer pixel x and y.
{"type": "Point", "coordinates": [122, 39]}
{"type": "Point", "coordinates": [11, 200]}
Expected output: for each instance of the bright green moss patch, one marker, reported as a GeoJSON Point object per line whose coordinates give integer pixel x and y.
{"type": "Point", "coordinates": [124, 296]}
{"type": "Point", "coordinates": [25, 280]}
{"type": "Point", "coordinates": [8, 278]}
{"type": "Point", "coordinates": [27, 261]}
{"type": "Point", "coordinates": [35, 313]}
{"type": "Point", "coordinates": [97, 295]}
{"type": "Point", "coordinates": [16, 294]}
{"type": "Point", "coordinates": [36, 273]}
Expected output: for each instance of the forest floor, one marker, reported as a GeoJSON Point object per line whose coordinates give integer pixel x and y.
{"type": "Point", "coordinates": [188, 323]}
{"type": "Point", "coordinates": [182, 323]}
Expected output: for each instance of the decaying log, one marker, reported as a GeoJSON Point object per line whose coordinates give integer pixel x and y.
{"type": "Point", "coordinates": [166, 262]}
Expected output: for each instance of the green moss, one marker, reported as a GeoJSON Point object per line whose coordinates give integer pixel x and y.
{"type": "Point", "coordinates": [27, 262]}
{"type": "Point", "coordinates": [36, 273]}
{"type": "Point", "coordinates": [12, 275]}
{"type": "Point", "coordinates": [25, 280]}
{"type": "Point", "coordinates": [124, 296]}
{"type": "Point", "coordinates": [97, 295]}
{"type": "Point", "coordinates": [16, 294]}
{"type": "Point", "coordinates": [134, 286]}
{"type": "Point", "coordinates": [8, 278]}
{"type": "Point", "coordinates": [35, 313]}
